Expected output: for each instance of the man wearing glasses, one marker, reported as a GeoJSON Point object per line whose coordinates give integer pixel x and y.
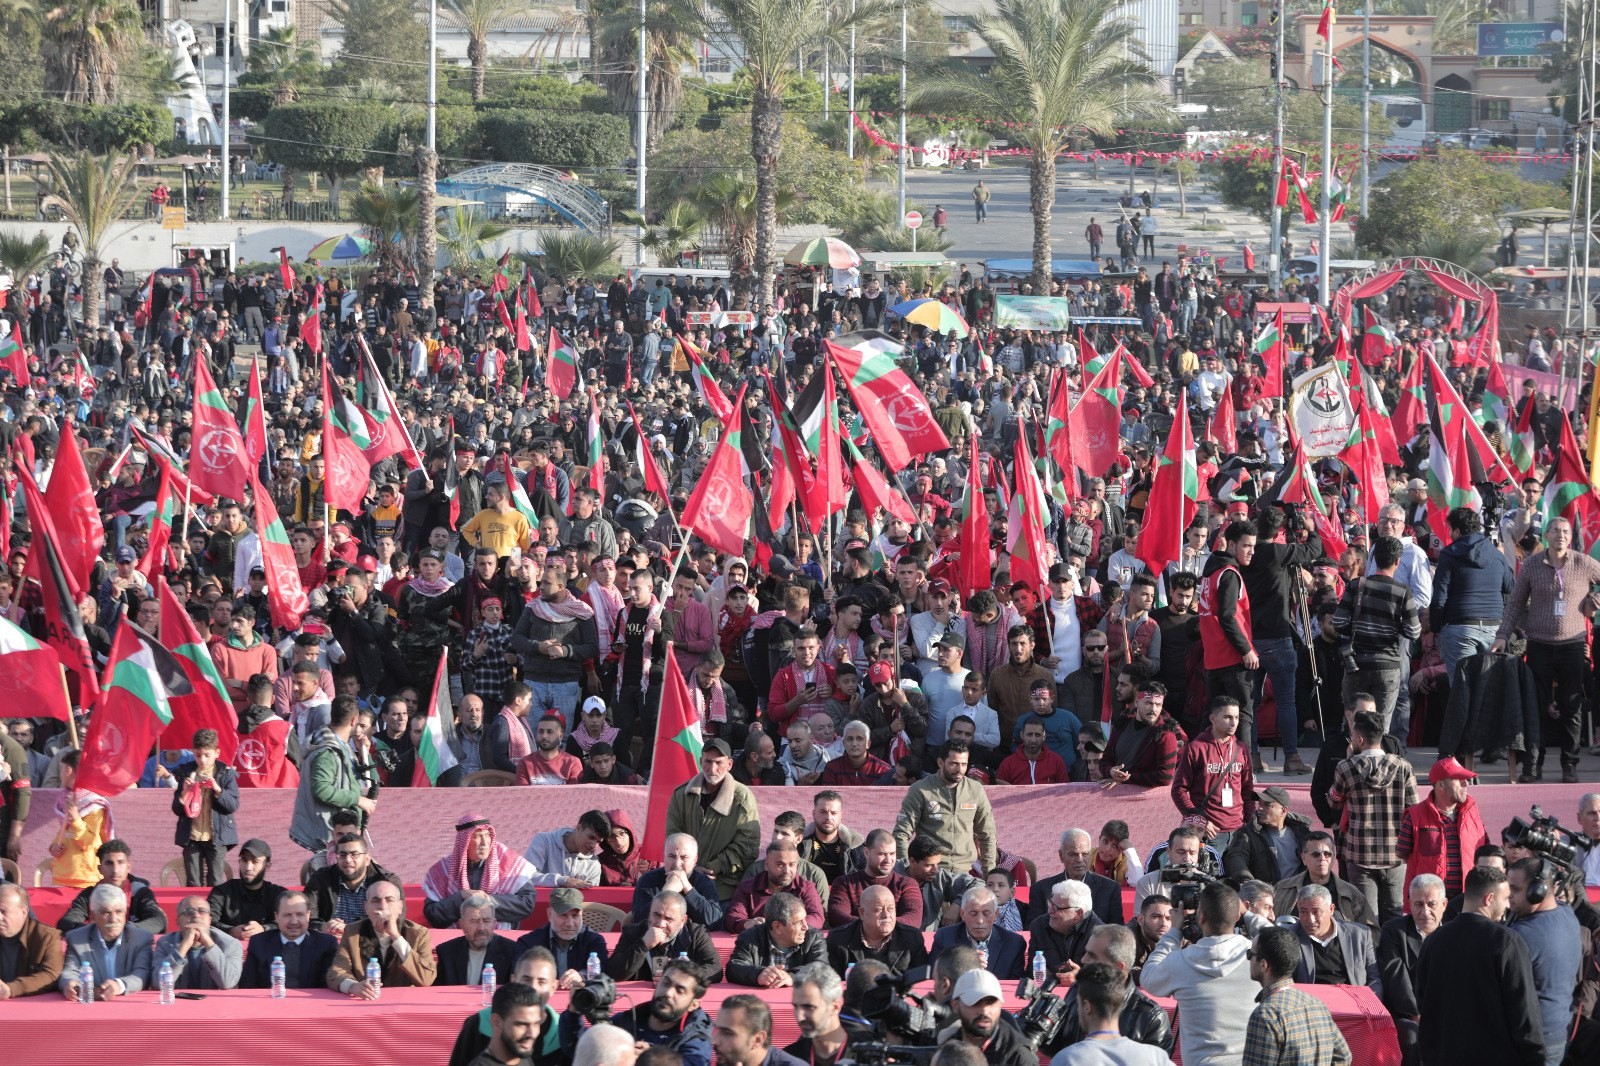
{"type": "Point", "coordinates": [1416, 573]}
{"type": "Point", "coordinates": [1317, 853]}
{"type": "Point", "coordinates": [339, 892]}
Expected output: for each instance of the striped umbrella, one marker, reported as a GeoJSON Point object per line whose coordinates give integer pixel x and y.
{"type": "Point", "coordinates": [344, 246]}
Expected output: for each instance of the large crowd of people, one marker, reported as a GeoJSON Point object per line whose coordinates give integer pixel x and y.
{"type": "Point", "coordinates": [552, 573]}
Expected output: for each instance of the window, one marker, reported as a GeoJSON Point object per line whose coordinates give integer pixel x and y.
{"type": "Point", "coordinates": [1249, 15]}
{"type": "Point", "coordinates": [1493, 110]}
{"type": "Point", "coordinates": [1191, 19]}
{"type": "Point", "coordinates": [958, 24]}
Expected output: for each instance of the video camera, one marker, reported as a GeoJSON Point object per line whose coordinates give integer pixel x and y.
{"type": "Point", "coordinates": [1042, 1017]}
{"type": "Point", "coordinates": [891, 1006]}
{"type": "Point", "coordinates": [1187, 881]}
{"type": "Point", "coordinates": [877, 1053]}
{"type": "Point", "coordinates": [595, 1000]}
{"type": "Point", "coordinates": [1544, 835]}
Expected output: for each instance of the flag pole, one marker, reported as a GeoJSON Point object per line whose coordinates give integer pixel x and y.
{"type": "Point", "coordinates": [72, 719]}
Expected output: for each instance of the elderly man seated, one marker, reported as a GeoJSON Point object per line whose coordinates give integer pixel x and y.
{"type": "Point", "coordinates": [768, 954]}
{"type": "Point", "coordinates": [1063, 932]}
{"type": "Point", "coordinates": [781, 873]}
{"type": "Point", "coordinates": [108, 951]}
{"type": "Point", "coordinates": [400, 945]}
{"type": "Point", "coordinates": [461, 960]}
{"type": "Point", "coordinates": [646, 946]}
{"type": "Point", "coordinates": [478, 863]}
{"type": "Point", "coordinates": [878, 934]}
{"type": "Point", "coordinates": [1332, 950]}
{"type": "Point", "coordinates": [201, 957]}
{"type": "Point", "coordinates": [1003, 952]}
{"type": "Point", "coordinates": [30, 951]}
{"type": "Point", "coordinates": [567, 939]}
{"type": "Point", "coordinates": [678, 873]}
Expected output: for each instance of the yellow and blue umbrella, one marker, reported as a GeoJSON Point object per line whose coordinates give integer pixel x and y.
{"type": "Point", "coordinates": [931, 314]}
{"type": "Point", "coordinates": [345, 246]}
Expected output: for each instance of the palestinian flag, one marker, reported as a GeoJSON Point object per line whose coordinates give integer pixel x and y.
{"type": "Point", "coordinates": [345, 440]}
{"type": "Point", "coordinates": [720, 507]}
{"type": "Point", "coordinates": [209, 706]}
{"type": "Point", "coordinates": [1097, 419]}
{"type": "Point", "coordinates": [1058, 435]}
{"type": "Point", "coordinates": [1271, 346]}
{"type": "Point", "coordinates": [1338, 197]}
{"type": "Point", "coordinates": [166, 512]}
{"type": "Point", "coordinates": [972, 569]}
{"type": "Point", "coordinates": [134, 708]}
{"type": "Point", "coordinates": [1025, 522]}
{"type": "Point", "coordinates": [385, 428]}
{"type": "Point", "coordinates": [156, 450]}
{"type": "Point", "coordinates": [1091, 360]}
{"type": "Point", "coordinates": [654, 480]}
{"type": "Point", "coordinates": [1450, 467]}
{"type": "Point", "coordinates": [678, 743]}
{"type": "Point", "coordinates": [875, 490]}
{"type": "Point", "coordinates": [502, 275]}
{"type": "Point", "coordinates": [597, 474]}
{"type": "Point", "coordinates": [1363, 455]}
{"type": "Point", "coordinates": [792, 473]}
{"type": "Point", "coordinates": [1568, 481]}
{"type": "Point", "coordinates": [30, 676]}
{"type": "Point", "coordinates": [59, 591]}
{"type": "Point", "coordinates": [560, 366]}
{"type": "Point", "coordinates": [218, 461]}
{"type": "Point", "coordinates": [1299, 485]}
{"type": "Point", "coordinates": [519, 494]}
{"type": "Point", "coordinates": [255, 416]}
{"type": "Point", "coordinates": [829, 494]}
{"type": "Point", "coordinates": [311, 325]}
{"type": "Point", "coordinates": [14, 355]}
{"type": "Point", "coordinates": [285, 596]}
{"type": "Point", "coordinates": [1308, 211]}
{"type": "Point", "coordinates": [1516, 432]}
{"type": "Point", "coordinates": [1388, 447]}
{"type": "Point", "coordinates": [435, 757]}
{"type": "Point", "coordinates": [895, 412]}
{"type": "Point", "coordinates": [1174, 496]}
{"type": "Point", "coordinates": [705, 384]}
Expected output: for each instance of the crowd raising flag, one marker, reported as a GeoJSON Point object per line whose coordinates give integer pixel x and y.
{"type": "Point", "coordinates": [33, 677]}
{"type": "Point", "coordinates": [720, 507]}
{"type": "Point", "coordinates": [895, 411]}
{"type": "Point", "coordinates": [1174, 496]}
{"type": "Point", "coordinates": [134, 709]}
{"type": "Point", "coordinates": [676, 754]}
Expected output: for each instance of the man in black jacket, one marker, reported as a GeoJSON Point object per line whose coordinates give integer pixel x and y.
{"type": "Point", "coordinates": [1063, 932]}
{"type": "Point", "coordinates": [878, 935]}
{"type": "Point", "coordinates": [246, 905]}
{"type": "Point", "coordinates": [1142, 1019]}
{"type": "Point", "coordinates": [662, 935]}
{"type": "Point", "coordinates": [1474, 984]}
{"type": "Point", "coordinates": [1398, 948]}
{"type": "Point", "coordinates": [338, 893]}
{"type": "Point", "coordinates": [767, 955]}
{"type": "Point", "coordinates": [976, 1001]}
{"type": "Point", "coordinates": [1272, 578]}
{"type": "Point", "coordinates": [143, 910]}
{"type": "Point", "coordinates": [461, 960]}
{"type": "Point", "coordinates": [1268, 849]}
{"type": "Point", "coordinates": [1076, 853]}
{"type": "Point", "coordinates": [672, 1018]}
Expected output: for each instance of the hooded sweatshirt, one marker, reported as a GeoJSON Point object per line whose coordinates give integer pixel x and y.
{"type": "Point", "coordinates": [1214, 780]}
{"type": "Point", "coordinates": [1472, 582]}
{"type": "Point", "coordinates": [625, 868]}
{"type": "Point", "coordinates": [1210, 979]}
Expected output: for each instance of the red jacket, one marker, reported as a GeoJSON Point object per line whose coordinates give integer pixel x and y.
{"type": "Point", "coordinates": [1050, 769]}
{"type": "Point", "coordinates": [1156, 760]}
{"type": "Point", "coordinates": [788, 682]}
{"type": "Point", "coordinates": [1205, 769]}
{"type": "Point", "coordinates": [1422, 840]}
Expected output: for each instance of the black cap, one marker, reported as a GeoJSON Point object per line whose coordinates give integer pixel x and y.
{"type": "Point", "coordinates": [718, 745]}
{"type": "Point", "coordinates": [257, 847]}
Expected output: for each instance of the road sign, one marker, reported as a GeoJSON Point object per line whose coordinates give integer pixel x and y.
{"type": "Point", "coordinates": [913, 219]}
{"type": "Point", "coordinates": [172, 217]}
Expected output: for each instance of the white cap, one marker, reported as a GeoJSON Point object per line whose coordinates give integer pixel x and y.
{"type": "Point", "coordinates": [975, 986]}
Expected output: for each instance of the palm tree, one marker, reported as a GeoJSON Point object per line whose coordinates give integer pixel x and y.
{"type": "Point", "coordinates": [466, 230]}
{"type": "Point", "coordinates": [1061, 67]}
{"type": "Point", "coordinates": [284, 61]}
{"type": "Point", "coordinates": [672, 28]}
{"type": "Point", "coordinates": [1455, 27]}
{"type": "Point", "coordinates": [676, 231]}
{"type": "Point", "coordinates": [771, 33]}
{"type": "Point", "coordinates": [731, 205]}
{"type": "Point", "coordinates": [92, 192]}
{"type": "Point", "coordinates": [427, 215]}
{"type": "Point", "coordinates": [388, 218]}
{"type": "Point", "coordinates": [85, 45]}
{"type": "Point", "coordinates": [576, 255]}
{"type": "Point", "coordinates": [21, 256]}
{"type": "Point", "coordinates": [480, 18]}
{"type": "Point", "coordinates": [1469, 249]}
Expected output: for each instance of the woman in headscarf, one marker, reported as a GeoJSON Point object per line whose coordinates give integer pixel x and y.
{"type": "Point", "coordinates": [478, 862]}
{"type": "Point", "coordinates": [620, 862]}
{"type": "Point", "coordinates": [427, 609]}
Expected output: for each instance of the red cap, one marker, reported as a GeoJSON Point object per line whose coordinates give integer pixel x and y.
{"type": "Point", "coordinates": [368, 563]}
{"type": "Point", "coordinates": [1447, 769]}
{"type": "Point", "coordinates": [879, 672]}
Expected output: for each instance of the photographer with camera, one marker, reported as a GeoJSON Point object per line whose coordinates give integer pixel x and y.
{"type": "Point", "coordinates": [1542, 919]}
{"type": "Point", "coordinates": [1142, 1019]}
{"type": "Point", "coordinates": [673, 1017]}
{"type": "Point", "coordinates": [1209, 977]}
{"type": "Point", "coordinates": [1184, 852]}
{"type": "Point", "coordinates": [976, 1000]}
{"type": "Point", "coordinates": [825, 1035]}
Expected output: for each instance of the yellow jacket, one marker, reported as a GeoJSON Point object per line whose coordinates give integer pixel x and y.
{"type": "Point", "coordinates": [77, 866]}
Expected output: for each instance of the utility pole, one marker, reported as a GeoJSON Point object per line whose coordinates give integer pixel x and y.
{"type": "Point", "coordinates": [1366, 100]}
{"type": "Point", "coordinates": [227, 75]}
{"type": "Point", "coordinates": [850, 129]}
{"type": "Point", "coordinates": [433, 75]}
{"type": "Point", "coordinates": [1325, 233]}
{"type": "Point", "coordinates": [1274, 260]}
{"type": "Point", "coordinates": [904, 61]}
{"type": "Point", "coordinates": [643, 134]}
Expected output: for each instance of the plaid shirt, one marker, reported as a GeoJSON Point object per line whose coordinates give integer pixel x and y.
{"type": "Point", "coordinates": [1375, 789]}
{"type": "Point", "coordinates": [1292, 1028]}
{"type": "Point", "coordinates": [490, 676]}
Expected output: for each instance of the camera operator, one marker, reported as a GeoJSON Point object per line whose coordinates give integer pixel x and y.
{"type": "Point", "coordinates": [1546, 924]}
{"type": "Point", "coordinates": [976, 999]}
{"type": "Point", "coordinates": [1184, 851]}
{"type": "Point", "coordinates": [673, 1017]}
{"type": "Point", "coordinates": [1209, 978]}
{"type": "Point", "coordinates": [825, 1033]}
{"type": "Point", "coordinates": [1101, 993]}
{"type": "Point", "coordinates": [1142, 1019]}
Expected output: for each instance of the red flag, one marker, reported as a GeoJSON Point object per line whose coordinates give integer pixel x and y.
{"type": "Point", "coordinates": [1280, 197]}
{"type": "Point", "coordinates": [1098, 418]}
{"type": "Point", "coordinates": [521, 337]}
{"type": "Point", "coordinates": [875, 490]}
{"type": "Point", "coordinates": [503, 315]}
{"type": "Point", "coordinates": [344, 440]}
{"type": "Point", "coordinates": [63, 625]}
{"type": "Point", "coordinates": [285, 597]}
{"type": "Point", "coordinates": [255, 416]}
{"type": "Point", "coordinates": [156, 450]}
{"type": "Point", "coordinates": [1174, 496]}
{"type": "Point", "coordinates": [31, 677]}
{"type": "Point", "coordinates": [597, 473]}
{"type": "Point", "coordinates": [654, 480]}
{"type": "Point", "coordinates": [707, 385]}
{"type": "Point", "coordinates": [720, 507]}
{"type": "Point", "coordinates": [70, 498]}
{"type": "Point", "coordinates": [135, 705]}
{"type": "Point", "coordinates": [16, 355]}
{"type": "Point", "coordinates": [501, 281]}
{"type": "Point", "coordinates": [1058, 429]}
{"type": "Point", "coordinates": [829, 494]}
{"type": "Point", "coordinates": [1411, 410]}
{"type": "Point", "coordinates": [1025, 520]}
{"type": "Point", "coordinates": [1364, 456]}
{"type": "Point", "coordinates": [218, 461]}
{"type": "Point", "coordinates": [209, 706]}
{"type": "Point", "coordinates": [972, 571]}
{"type": "Point", "coordinates": [155, 552]}
{"type": "Point", "coordinates": [678, 742]}
{"type": "Point", "coordinates": [895, 411]}
{"type": "Point", "coordinates": [1106, 704]}
{"type": "Point", "coordinates": [285, 271]}
{"type": "Point", "coordinates": [311, 325]}
{"type": "Point", "coordinates": [1249, 257]}
{"type": "Point", "coordinates": [1225, 423]}
{"type": "Point", "coordinates": [1140, 374]}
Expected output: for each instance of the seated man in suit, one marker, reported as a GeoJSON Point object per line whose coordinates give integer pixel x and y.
{"type": "Point", "coordinates": [665, 932]}
{"type": "Point", "coordinates": [118, 952]}
{"type": "Point", "coordinates": [1006, 951]}
{"type": "Point", "coordinates": [1063, 933]}
{"type": "Point", "coordinates": [567, 938]}
{"type": "Point", "coordinates": [461, 961]}
{"type": "Point", "coordinates": [201, 957]}
{"type": "Point", "coordinates": [30, 952]}
{"type": "Point", "coordinates": [766, 955]}
{"type": "Point", "coordinates": [678, 873]}
{"type": "Point", "coordinates": [1077, 856]}
{"type": "Point", "coordinates": [116, 860]}
{"type": "Point", "coordinates": [1332, 950]}
{"type": "Point", "coordinates": [306, 955]}
{"type": "Point", "coordinates": [400, 945]}
{"type": "Point", "coordinates": [877, 934]}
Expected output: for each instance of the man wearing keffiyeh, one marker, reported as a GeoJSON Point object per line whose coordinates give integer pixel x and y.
{"type": "Point", "coordinates": [478, 861]}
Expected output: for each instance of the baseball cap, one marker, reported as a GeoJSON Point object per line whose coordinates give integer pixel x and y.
{"type": "Point", "coordinates": [594, 705]}
{"type": "Point", "coordinates": [1275, 794]}
{"type": "Point", "coordinates": [718, 745]}
{"type": "Point", "coordinates": [953, 640]}
{"type": "Point", "coordinates": [879, 672]}
{"type": "Point", "coordinates": [368, 563]}
{"type": "Point", "coordinates": [126, 554]}
{"type": "Point", "coordinates": [257, 847]}
{"type": "Point", "coordinates": [1060, 572]}
{"type": "Point", "coordinates": [566, 900]}
{"type": "Point", "coordinates": [1447, 769]}
{"type": "Point", "coordinates": [939, 586]}
{"type": "Point", "coordinates": [780, 565]}
{"type": "Point", "coordinates": [975, 986]}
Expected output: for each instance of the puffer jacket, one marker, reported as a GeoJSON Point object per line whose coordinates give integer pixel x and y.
{"type": "Point", "coordinates": [1471, 583]}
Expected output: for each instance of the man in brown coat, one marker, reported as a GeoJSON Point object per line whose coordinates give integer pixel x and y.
{"type": "Point", "coordinates": [400, 945]}
{"type": "Point", "coordinates": [30, 953]}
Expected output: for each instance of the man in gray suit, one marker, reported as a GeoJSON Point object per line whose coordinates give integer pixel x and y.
{"type": "Point", "coordinates": [201, 957]}
{"type": "Point", "coordinates": [120, 953]}
{"type": "Point", "coordinates": [1332, 950]}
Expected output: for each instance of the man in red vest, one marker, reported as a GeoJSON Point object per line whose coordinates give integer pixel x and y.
{"type": "Point", "coordinates": [1224, 609]}
{"type": "Point", "coordinates": [1440, 834]}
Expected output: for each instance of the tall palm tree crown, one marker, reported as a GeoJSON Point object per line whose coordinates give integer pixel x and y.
{"type": "Point", "coordinates": [93, 192]}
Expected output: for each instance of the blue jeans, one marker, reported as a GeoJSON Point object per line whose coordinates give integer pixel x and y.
{"type": "Point", "coordinates": [119, 529]}
{"type": "Point", "coordinates": [559, 696]}
{"type": "Point", "coordinates": [1279, 661]}
{"type": "Point", "coordinates": [1400, 722]}
{"type": "Point", "coordinates": [1458, 642]}
{"type": "Point", "coordinates": [647, 373]}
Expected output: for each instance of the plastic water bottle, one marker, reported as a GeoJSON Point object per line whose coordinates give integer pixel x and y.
{"type": "Point", "coordinates": [1040, 972]}
{"type": "Point", "coordinates": [167, 983]}
{"type": "Point", "coordinates": [374, 975]}
{"type": "Point", "coordinates": [983, 955]}
{"type": "Point", "coordinates": [684, 955]}
{"type": "Point", "coordinates": [280, 978]}
{"type": "Point", "coordinates": [86, 982]}
{"type": "Point", "coordinates": [592, 969]}
{"type": "Point", "coordinates": [488, 983]}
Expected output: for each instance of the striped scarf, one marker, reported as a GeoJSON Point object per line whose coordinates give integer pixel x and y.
{"type": "Point", "coordinates": [518, 744]}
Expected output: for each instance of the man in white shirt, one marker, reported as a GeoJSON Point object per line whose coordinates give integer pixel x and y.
{"type": "Point", "coordinates": [1123, 564]}
{"type": "Point", "coordinates": [942, 686]}
{"type": "Point", "coordinates": [928, 627]}
{"type": "Point", "coordinates": [1066, 632]}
